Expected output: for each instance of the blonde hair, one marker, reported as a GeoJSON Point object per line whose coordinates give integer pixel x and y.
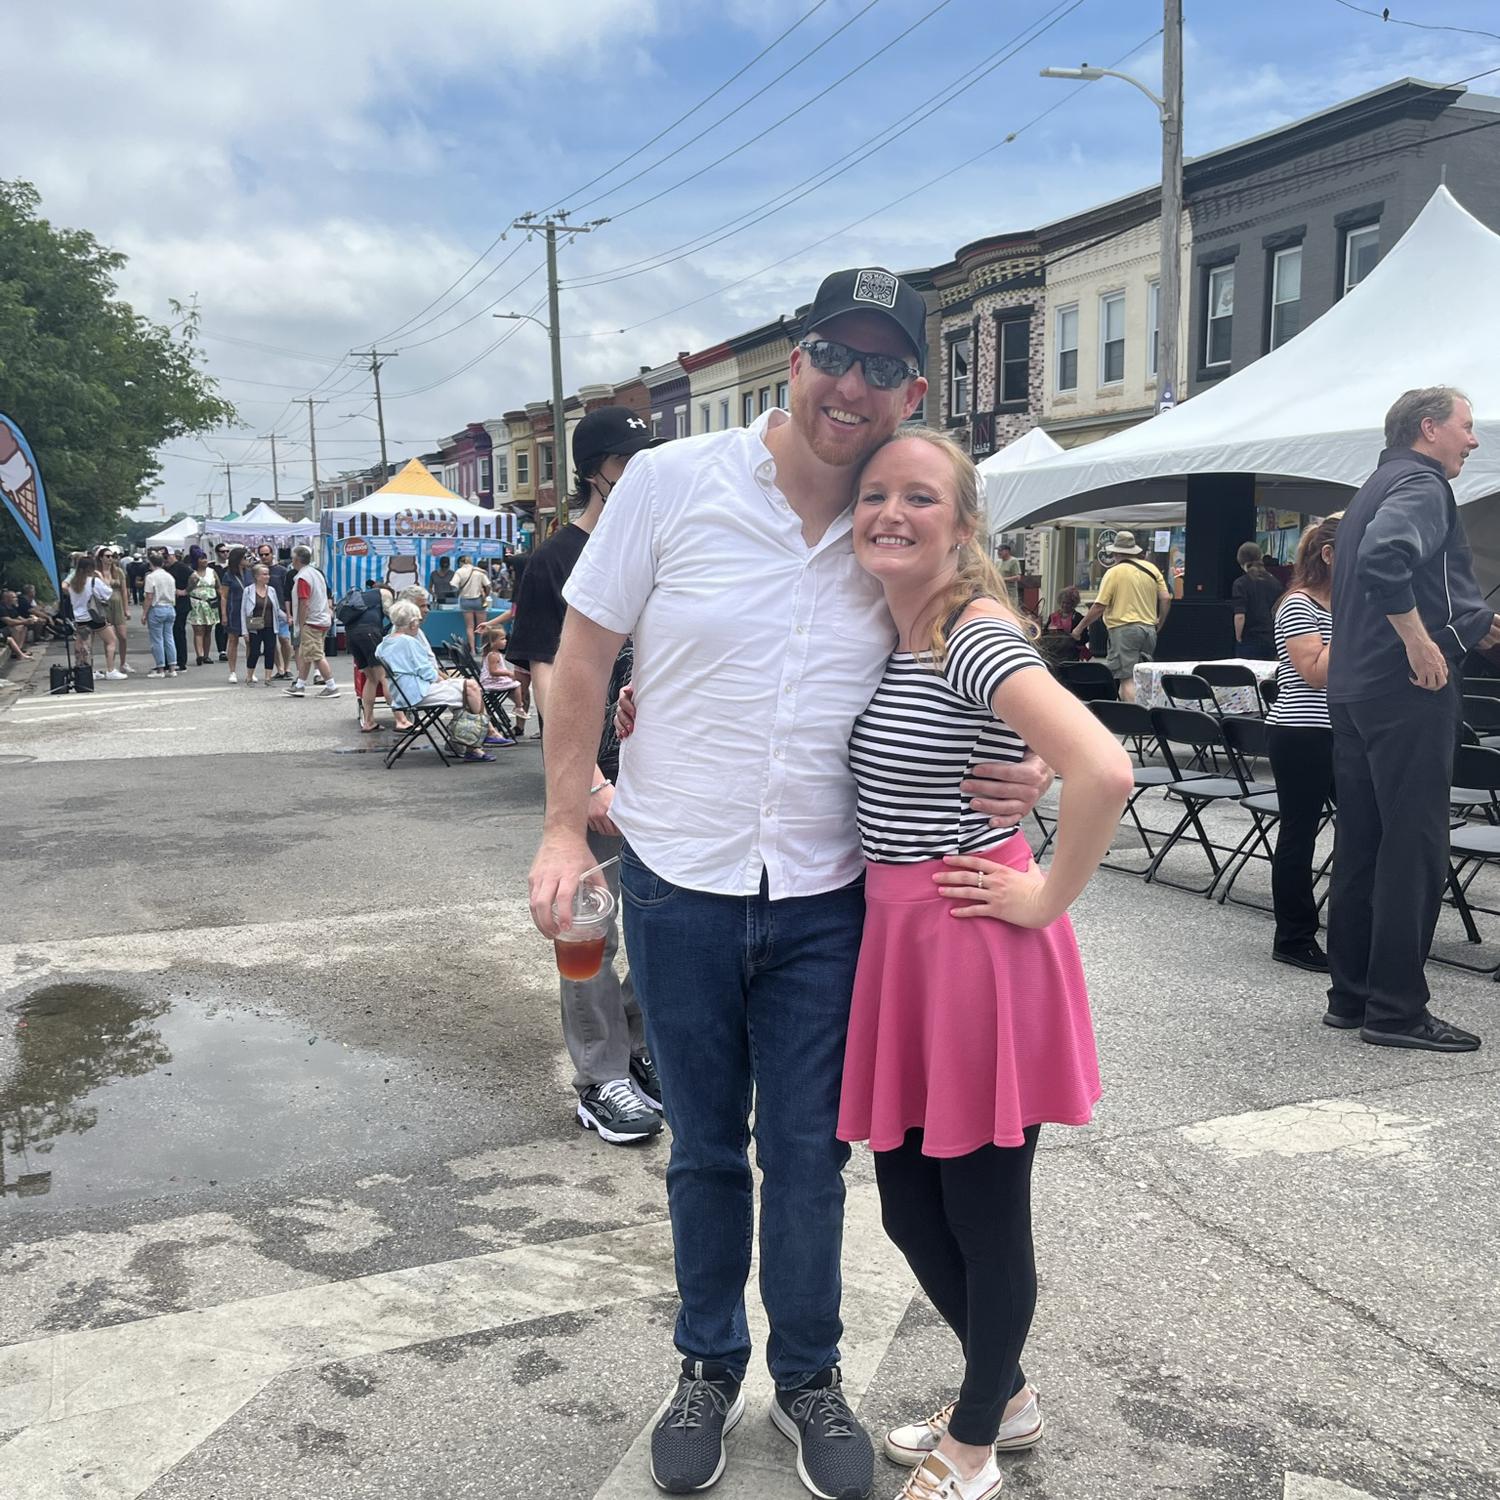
{"type": "Point", "coordinates": [976, 576]}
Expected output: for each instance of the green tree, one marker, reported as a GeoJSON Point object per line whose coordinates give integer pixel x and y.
{"type": "Point", "coordinates": [96, 387]}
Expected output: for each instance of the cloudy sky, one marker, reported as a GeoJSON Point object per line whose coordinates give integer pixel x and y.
{"type": "Point", "coordinates": [321, 174]}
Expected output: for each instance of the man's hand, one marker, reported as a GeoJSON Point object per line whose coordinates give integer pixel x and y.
{"type": "Point", "coordinates": [1429, 667]}
{"type": "Point", "coordinates": [1492, 636]}
{"type": "Point", "coordinates": [1006, 792]}
{"type": "Point", "coordinates": [600, 803]}
{"type": "Point", "coordinates": [559, 862]}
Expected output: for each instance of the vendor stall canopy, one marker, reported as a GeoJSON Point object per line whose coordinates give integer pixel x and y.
{"type": "Point", "coordinates": [1315, 407]}
{"type": "Point", "coordinates": [178, 534]}
{"type": "Point", "coordinates": [263, 520]}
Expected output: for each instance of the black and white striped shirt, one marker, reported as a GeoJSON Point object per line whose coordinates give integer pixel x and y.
{"type": "Point", "coordinates": [1297, 704]}
{"type": "Point", "coordinates": [923, 733]}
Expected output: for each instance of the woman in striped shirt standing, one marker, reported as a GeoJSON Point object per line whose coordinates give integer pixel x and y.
{"type": "Point", "coordinates": [970, 1024]}
{"type": "Point", "coordinates": [1301, 744]}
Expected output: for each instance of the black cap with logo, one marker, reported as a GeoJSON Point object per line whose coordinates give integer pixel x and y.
{"type": "Point", "coordinates": [610, 429]}
{"type": "Point", "coordinates": [873, 290]}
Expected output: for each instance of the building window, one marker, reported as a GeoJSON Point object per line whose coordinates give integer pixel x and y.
{"type": "Point", "coordinates": [450, 477]}
{"type": "Point", "coordinates": [1220, 316]}
{"type": "Point", "coordinates": [765, 398]}
{"type": "Point", "coordinates": [1361, 251]}
{"type": "Point", "coordinates": [680, 421]}
{"type": "Point", "coordinates": [1015, 361]}
{"type": "Point", "coordinates": [544, 451]}
{"type": "Point", "coordinates": [523, 470]}
{"type": "Point", "coordinates": [747, 408]}
{"type": "Point", "coordinates": [656, 424]}
{"type": "Point", "coordinates": [1153, 328]}
{"type": "Point", "coordinates": [502, 474]}
{"type": "Point", "coordinates": [1112, 339]}
{"type": "Point", "coordinates": [723, 412]}
{"type": "Point", "coordinates": [782, 390]}
{"type": "Point", "coordinates": [705, 411]}
{"type": "Point", "coordinates": [1067, 348]}
{"type": "Point", "coordinates": [1286, 295]}
{"type": "Point", "coordinates": [485, 473]}
{"type": "Point", "coordinates": [958, 377]}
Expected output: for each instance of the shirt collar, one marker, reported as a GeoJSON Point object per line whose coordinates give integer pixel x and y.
{"type": "Point", "coordinates": [763, 467]}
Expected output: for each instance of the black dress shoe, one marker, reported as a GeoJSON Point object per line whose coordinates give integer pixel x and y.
{"type": "Point", "coordinates": [1306, 955]}
{"type": "Point", "coordinates": [1341, 1022]}
{"type": "Point", "coordinates": [1428, 1035]}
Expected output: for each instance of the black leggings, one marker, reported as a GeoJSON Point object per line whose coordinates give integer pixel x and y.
{"type": "Point", "coordinates": [1302, 765]}
{"type": "Point", "coordinates": [964, 1225]}
{"type": "Point", "coordinates": [263, 644]}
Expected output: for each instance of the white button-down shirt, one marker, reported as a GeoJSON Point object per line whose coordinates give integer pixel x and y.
{"type": "Point", "coordinates": [754, 654]}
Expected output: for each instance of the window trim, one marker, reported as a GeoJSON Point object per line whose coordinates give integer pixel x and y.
{"type": "Point", "coordinates": [1058, 351]}
{"type": "Point", "coordinates": [1209, 272]}
{"type": "Point", "coordinates": [1346, 237]}
{"type": "Point", "coordinates": [724, 405]}
{"type": "Point", "coordinates": [501, 473]}
{"type": "Point", "coordinates": [706, 411]}
{"type": "Point", "coordinates": [1153, 329]}
{"type": "Point", "coordinates": [523, 469]}
{"type": "Point", "coordinates": [957, 339]}
{"type": "Point", "coordinates": [747, 408]}
{"type": "Point", "coordinates": [1012, 317]}
{"type": "Point", "coordinates": [1106, 299]}
{"type": "Point", "coordinates": [783, 393]}
{"type": "Point", "coordinates": [1272, 303]}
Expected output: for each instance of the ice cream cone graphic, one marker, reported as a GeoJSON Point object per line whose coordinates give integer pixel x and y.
{"type": "Point", "coordinates": [25, 502]}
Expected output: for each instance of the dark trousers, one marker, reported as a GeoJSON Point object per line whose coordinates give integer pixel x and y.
{"type": "Point", "coordinates": [221, 637]}
{"type": "Point", "coordinates": [1302, 763]}
{"type": "Point", "coordinates": [964, 1225]}
{"type": "Point", "coordinates": [179, 631]}
{"type": "Point", "coordinates": [746, 1003]}
{"type": "Point", "coordinates": [1393, 765]}
{"type": "Point", "coordinates": [262, 645]}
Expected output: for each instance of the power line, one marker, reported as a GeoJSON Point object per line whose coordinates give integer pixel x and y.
{"type": "Point", "coordinates": [463, 369]}
{"type": "Point", "coordinates": [791, 115]}
{"type": "Point", "coordinates": [503, 297]}
{"type": "Point", "coordinates": [837, 168]}
{"type": "Point", "coordinates": [1384, 14]}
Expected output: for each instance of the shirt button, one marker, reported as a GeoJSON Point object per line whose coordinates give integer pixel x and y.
{"type": "Point", "coordinates": [778, 752]}
{"type": "Point", "coordinates": [787, 688]}
{"type": "Point", "coordinates": [802, 630]}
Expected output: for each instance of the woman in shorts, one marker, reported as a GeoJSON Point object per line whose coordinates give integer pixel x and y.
{"type": "Point", "coordinates": [472, 585]}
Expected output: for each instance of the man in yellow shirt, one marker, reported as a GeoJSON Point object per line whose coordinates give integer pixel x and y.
{"type": "Point", "coordinates": [1134, 600]}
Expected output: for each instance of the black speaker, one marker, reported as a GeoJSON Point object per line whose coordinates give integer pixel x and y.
{"type": "Point", "coordinates": [83, 678]}
{"type": "Point", "coordinates": [1220, 516]}
{"type": "Point", "coordinates": [62, 679]}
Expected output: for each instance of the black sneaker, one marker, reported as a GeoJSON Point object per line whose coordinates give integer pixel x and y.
{"type": "Point", "coordinates": [835, 1459]}
{"type": "Point", "coordinates": [643, 1078]}
{"type": "Point", "coordinates": [1428, 1035]}
{"type": "Point", "coordinates": [1308, 955]}
{"type": "Point", "coordinates": [615, 1111]}
{"type": "Point", "coordinates": [687, 1441]}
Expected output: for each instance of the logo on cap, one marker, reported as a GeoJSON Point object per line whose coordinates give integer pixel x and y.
{"type": "Point", "coordinates": [636, 422]}
{"type": "Point", "coordinates": [878, 287]}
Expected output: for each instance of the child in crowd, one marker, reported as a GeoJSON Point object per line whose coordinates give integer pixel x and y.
{"type": "Point", "coordinates": [495, 674]}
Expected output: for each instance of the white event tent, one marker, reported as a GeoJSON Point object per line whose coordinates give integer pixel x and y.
{"type": "Point", "coordinates": [178, 534]}
{"type": "Point", "coordinates": [1314, 408]}
{"type": "Point", "coordinates": [1031, 447]}
{"type": "Point", "coordinates": [262, 520]}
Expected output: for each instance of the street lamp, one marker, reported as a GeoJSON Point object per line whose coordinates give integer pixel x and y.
{"type": "Point", "coordinates": [559, 425]}
{"type": "Point", "coordinates": [1169, 110]}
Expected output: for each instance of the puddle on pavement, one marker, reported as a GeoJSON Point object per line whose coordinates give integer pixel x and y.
{"type": "Point", "coordinates": [112, 1093]}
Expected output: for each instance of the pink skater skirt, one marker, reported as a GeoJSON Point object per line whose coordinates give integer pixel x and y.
{"type": "Point", "coordinates": [967, 1028]}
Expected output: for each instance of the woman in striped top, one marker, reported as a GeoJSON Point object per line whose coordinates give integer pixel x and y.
{"type": "Point", "coordinates": [970, 1024]}
{"type": "Point", "coordinates": [1302, 745]}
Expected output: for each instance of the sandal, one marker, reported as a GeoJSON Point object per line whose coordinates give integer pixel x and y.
{"type": "Point", "coordinates": [478, 755]}
{"type": "Point", "coordinates": [368, 728]}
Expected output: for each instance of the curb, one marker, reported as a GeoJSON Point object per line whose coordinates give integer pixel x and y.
{"type": "Point", "coordinates": [18, 678]}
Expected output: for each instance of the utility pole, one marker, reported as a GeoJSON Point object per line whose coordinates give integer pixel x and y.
{"type": "Point", "coordinates": [275, 477]}
{"type": "Point", "coordinates": [312, 442]}
{"type": "Point", "coordinates": [551, 227]}
{"type": "Point", "coordinates": [229, 483]}
{"type": "Point", "coordinates": [375, 356]}
{"type": "Point", "coordinates": [1169, 296]}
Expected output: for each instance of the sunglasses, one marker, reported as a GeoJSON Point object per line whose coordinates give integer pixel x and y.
{"type": "Point", "coordinates": [885, 372]}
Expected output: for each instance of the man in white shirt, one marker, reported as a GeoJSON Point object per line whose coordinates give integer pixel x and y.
{"type": "Point", "coordinates": [313, 616]}
{"type": "Point", "coordinates": [758, 640]}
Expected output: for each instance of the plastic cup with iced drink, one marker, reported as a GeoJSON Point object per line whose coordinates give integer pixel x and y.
{"type": "Point", "coordinates": [580, 950]}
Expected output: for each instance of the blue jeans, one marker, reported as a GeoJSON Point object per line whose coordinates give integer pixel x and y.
{"type": "Point", "coordinates": [746, 1000]}
{"type": "Point", "coordinates": [159, 620]}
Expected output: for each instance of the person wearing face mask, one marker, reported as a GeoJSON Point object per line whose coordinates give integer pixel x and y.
{"type": "Point", "coordinates": [618, 1092]}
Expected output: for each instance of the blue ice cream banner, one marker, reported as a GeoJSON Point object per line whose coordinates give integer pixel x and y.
{"type": "Point", "coordinates": [404, 548]}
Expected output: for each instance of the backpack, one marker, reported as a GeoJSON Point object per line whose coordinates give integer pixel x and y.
{"type": "Point", "coordinates": [354, 606]}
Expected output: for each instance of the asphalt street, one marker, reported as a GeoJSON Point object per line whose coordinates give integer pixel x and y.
{"type": "Point", "coordinates": [294, 1204]}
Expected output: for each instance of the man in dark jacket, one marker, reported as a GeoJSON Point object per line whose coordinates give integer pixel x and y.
{"type": "Point", "coordinates": [1406, 610]}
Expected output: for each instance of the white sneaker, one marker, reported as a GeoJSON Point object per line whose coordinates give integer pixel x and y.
{"type": "Point", "coordinates": [233, 678]}
{"type": "Point", "coordinates": [936, 1479]}
{"type": "Point", "coordinates": [329, 691]}
{"type": "Point", "coordinates": [115, 676]}
{"type": "Point", "coordinates": [910, 1444]}
{"type": "Point", "coordinates": [157, 672]}
{"type": "Point", "coordinates": [171, 671]}
{"type": "Point", "coordinates": [126, 667]}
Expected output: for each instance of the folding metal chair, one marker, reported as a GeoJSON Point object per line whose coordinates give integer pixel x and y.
{"type": "Point", "coordinates": [493, 698]}
{"type": "Point", "coordinates": [1472, 847]}
{"type": "Point", "coordinates": [1248, 741]}
{"type": "Point", "coordinates": [1482, 715]}
{"type": "Point", "coordinates": [1202, 733]}
{"type": "Point", "coordinates": [1132, 721]}
{"type": "Point", "coordinates": [1091, 681]}
{"type": "Point", "coordinates": [425, 720]}
{"type": "Point", "coordinates": [1231, 675]}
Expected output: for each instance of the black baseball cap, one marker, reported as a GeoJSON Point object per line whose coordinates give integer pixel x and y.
{"type": "Point", "coordinates": [872, 289]}
{"type": "Point", "coordinates": [607, 430]}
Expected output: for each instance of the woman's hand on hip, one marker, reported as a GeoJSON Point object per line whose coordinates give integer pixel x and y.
{"type": "Point", "coordinates": [981, 888]}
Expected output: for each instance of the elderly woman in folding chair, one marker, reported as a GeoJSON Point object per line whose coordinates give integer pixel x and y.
{"type": "Point", "coordinates": [414, 674]}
